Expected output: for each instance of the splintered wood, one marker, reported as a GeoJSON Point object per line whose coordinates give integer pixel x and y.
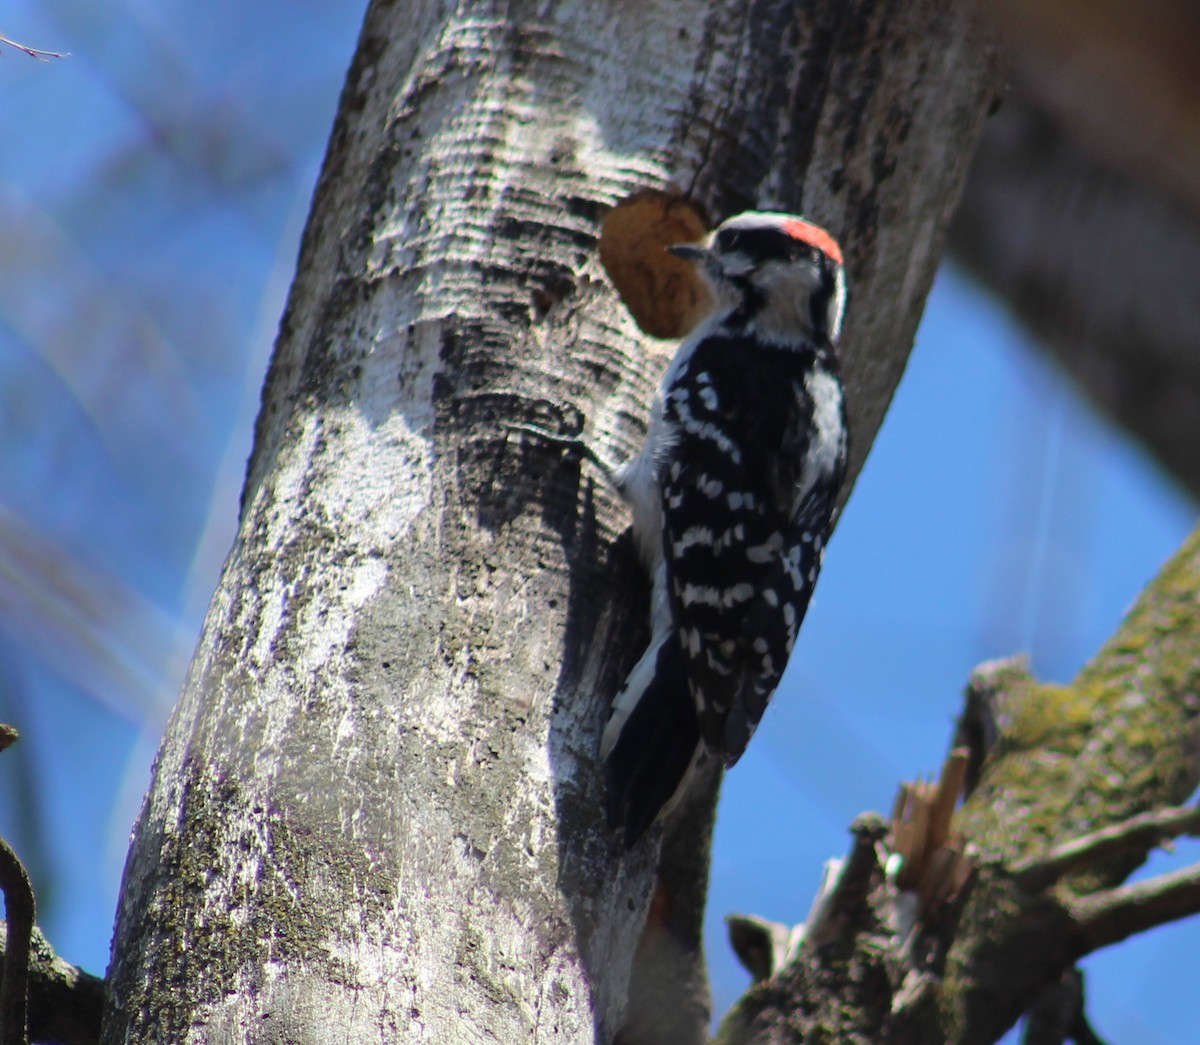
{"type": "Point", "coordinates": [932, 862]}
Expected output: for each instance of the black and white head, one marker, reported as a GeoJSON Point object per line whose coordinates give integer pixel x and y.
{"type": "Point", "coordinates": [776, 273]}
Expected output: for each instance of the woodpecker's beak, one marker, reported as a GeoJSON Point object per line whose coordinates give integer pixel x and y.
{"type": "Point", "coordinates": [692, 252]}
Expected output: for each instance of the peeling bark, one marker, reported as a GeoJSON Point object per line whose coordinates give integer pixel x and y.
{"type": "Point", "coordinates": [376, 811]}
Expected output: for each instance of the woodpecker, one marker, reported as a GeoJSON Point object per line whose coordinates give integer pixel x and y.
{"type": "Point", "coordinates": [732, 499]}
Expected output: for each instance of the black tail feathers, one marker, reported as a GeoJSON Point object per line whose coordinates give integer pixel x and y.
{"type": "Point", "coordinates": [656, 748]}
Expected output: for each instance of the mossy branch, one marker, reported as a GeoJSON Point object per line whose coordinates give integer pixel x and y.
{"type": "Point", "coordinates": [1069, 789]}
{"type": "Point", "coordinates": [1066, 772]}
{"type": "Point", "coordinates": [1137, 834]}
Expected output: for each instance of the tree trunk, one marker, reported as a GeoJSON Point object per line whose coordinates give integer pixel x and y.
{"type": "Point", "coordinates": [1082, 210]}
{"type": "Point", "coordinates": [1040, 221]}
{"type": "Point", "coordinates": [376, 813]}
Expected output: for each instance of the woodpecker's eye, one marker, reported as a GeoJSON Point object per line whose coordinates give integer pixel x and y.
{"type": "Point", "coordinates": [729, 241]}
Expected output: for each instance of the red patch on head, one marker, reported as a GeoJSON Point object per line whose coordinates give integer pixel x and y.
{"type": "Point", "coordinates": [807, 232]}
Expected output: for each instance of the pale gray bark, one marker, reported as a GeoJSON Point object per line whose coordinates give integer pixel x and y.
{"type": "Point", "coordinates": [376, 813]}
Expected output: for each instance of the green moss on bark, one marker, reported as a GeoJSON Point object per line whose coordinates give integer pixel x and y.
{"type": "Point", "coordinates": [1121, 739]}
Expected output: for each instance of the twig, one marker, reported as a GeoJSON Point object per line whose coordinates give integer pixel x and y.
{"type": "Point", "coordinates": [1138, 833]}
{"type": "Point", "coordinates": [1112, 915]}
{"type": "Point", "coordinates": [33, 52]}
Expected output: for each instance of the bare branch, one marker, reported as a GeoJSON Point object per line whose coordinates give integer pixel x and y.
{"type": "Point", "coordinates": [1112, 915]}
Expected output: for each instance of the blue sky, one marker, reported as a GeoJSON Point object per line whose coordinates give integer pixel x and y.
{"type": "Point", "coordinates": [152, 190]}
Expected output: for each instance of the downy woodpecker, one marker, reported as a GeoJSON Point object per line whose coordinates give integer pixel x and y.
{"type": "Point", "coordinates": [732, 499]}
